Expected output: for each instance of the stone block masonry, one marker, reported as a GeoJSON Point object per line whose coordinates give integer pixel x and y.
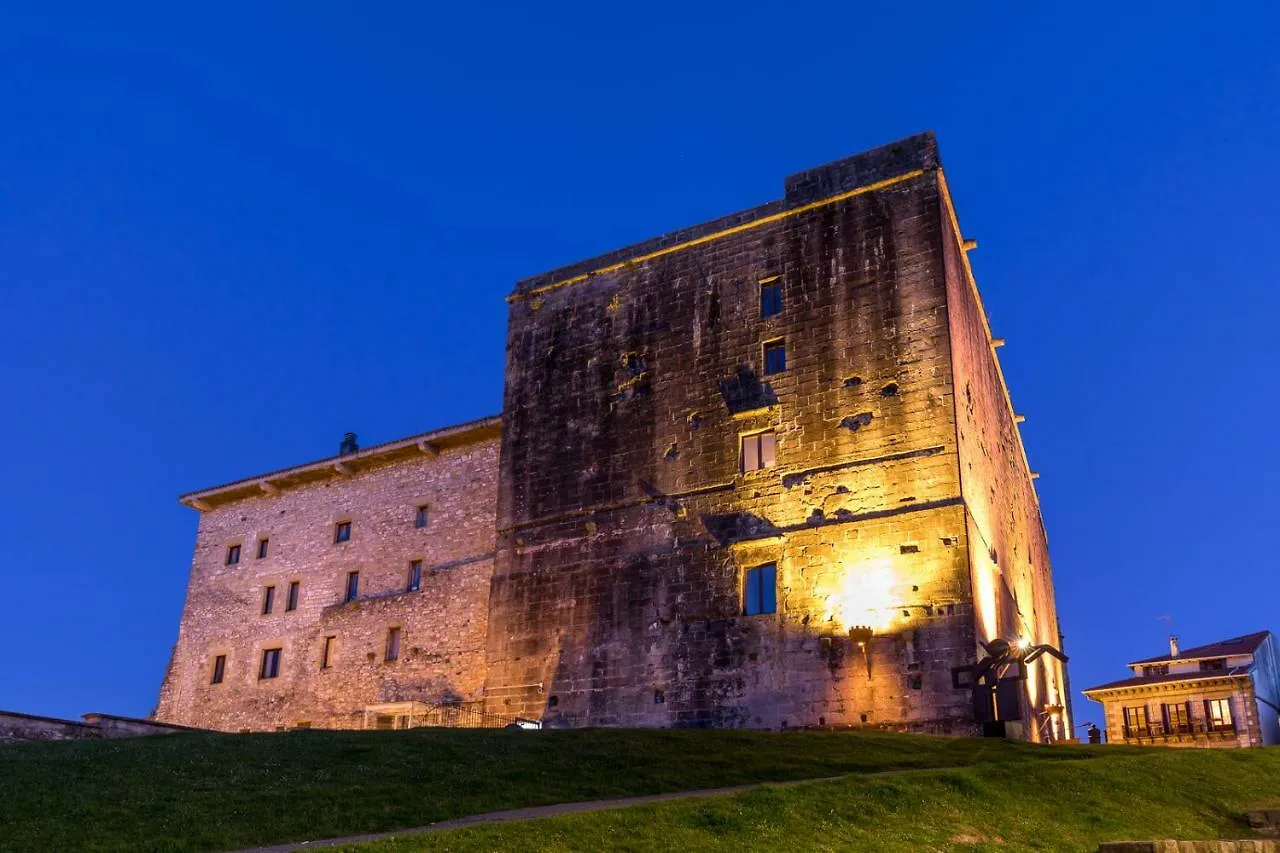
{"type": "Point", "coordinates": [761, 472]}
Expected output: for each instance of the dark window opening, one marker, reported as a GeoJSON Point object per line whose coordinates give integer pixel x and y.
{"type": "Point", "coordinates": [759, 451]}
{"type": "Point", "coordinates": [262, 548]}
{"type": "Point", "coordinates": [219, 669]}
{"type": "Point", "coordinates": [770, 298]}
{"type": "Point", "coordinates": [326, 653]}
{"type": "Point", "coordinates": [292, 602]}
{"type": "Point", "coordinates": [233, 555]}
{"type": "Point", "coordinates": [270, 664]}
{"type": "Point", "coordinates": [420, 519]}
{"type": "Point", "coordinates": [1156, 669]}
{"type": "Point", "coordinates": [342, 532]}
{"type": "Point", "coordinates": [353, 585]}
{"type": "Point", "coordinates": [415, 576]}
{"type": "Point", "coordinates": [760, 592]}
{"type": "Point", "coordinates": [1213, 664]}
{"type": "Point", "coordinates": [775, 357]}
{"type": "Point", "coordinates": [393, 644]}
{"type": "Point", "coordinates": [268, 600]}
{"type": "Point", "coordinates": [659, 697]}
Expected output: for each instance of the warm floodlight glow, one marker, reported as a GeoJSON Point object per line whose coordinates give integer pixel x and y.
{"type": "Point", "coordinates": [1022, 644]}
{"type": "Point", "coordinates": [865, 595]}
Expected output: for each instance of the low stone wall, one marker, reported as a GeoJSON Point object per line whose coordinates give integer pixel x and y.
{"type": "Point", "coordinates": [16, 727]}
{"type": "Point", "coordinates": [1246, 846]}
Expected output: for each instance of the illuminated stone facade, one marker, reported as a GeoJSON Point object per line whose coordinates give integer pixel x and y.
{"type": "Point", "coordinates": [806, 393]}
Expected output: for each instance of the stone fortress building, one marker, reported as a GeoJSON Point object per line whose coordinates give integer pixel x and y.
{"type": "Point", "coordinates": [762, 472]}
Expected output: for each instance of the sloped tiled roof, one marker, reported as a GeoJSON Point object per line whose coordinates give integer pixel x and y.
{"type": "Point", "coordinates": [1245, 645]}
{"type": "Point", "coordinates": [1143, 680]}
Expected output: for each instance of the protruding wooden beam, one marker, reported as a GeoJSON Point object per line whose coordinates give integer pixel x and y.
{"type": "Point", "coordinates": [996, 343]}
{"type": "Point", "coordinates": [429, 449]}
{"type": "Point", "coordinates": [970, 244]}
{"type": "Point", "coordinates": [269, 487]}
{"type": "Point", "coordinates": [1035, 475]}
{"type": "Point", "coordinates": [1017, 419]}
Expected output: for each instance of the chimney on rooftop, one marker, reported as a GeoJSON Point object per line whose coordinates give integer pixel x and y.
{"type": "Point", "coordinates": [348, 445]}
{"type": "Point", "coordinates": [1173, 646]}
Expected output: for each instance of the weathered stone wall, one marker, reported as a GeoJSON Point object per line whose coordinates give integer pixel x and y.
{"type": "Point", "coordinates": [1008, 553]}
{"type": "Point", "coordinates": [442, 624]}
{"type": "Point", "coordinates": [625, 524]}
{"type": "Point", "coordinates": [15, 728]}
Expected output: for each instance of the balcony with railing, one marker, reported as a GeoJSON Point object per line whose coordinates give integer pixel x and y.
{"type": "Point", "coordinates": [1158, 731]}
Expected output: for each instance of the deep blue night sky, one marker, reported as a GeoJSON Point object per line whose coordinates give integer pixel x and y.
{"type": "Point", "coordinates": [228, 236]}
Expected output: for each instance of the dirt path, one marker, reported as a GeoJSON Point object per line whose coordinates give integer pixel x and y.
{"type": "Point", "coordinates": [534, 812]}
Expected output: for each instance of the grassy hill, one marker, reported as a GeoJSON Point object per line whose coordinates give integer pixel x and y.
{"type": "Point", "coordinates": [205, 792]}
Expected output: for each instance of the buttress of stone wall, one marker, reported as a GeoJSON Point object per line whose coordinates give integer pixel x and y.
{"type": "Point", "coordinates": [1011, 575]}
{"type": "Point", "coordinates": [627, 525]}
{"type": "Point", "coordinates": [442, 625]}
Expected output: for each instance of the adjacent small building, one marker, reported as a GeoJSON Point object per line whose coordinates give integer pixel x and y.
{"type": "Point", "coordinates": [1224, 694]}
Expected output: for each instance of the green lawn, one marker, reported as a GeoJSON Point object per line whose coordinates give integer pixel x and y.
{"type": "Point", "coordinates": [1071, 805]}
{"type": "Point", "coordinates": [201, 792]}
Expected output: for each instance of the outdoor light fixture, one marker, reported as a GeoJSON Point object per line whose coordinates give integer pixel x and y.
{"type": "Point", "coordinates": [862, 634]}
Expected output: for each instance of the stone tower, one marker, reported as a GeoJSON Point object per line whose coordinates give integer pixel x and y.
{"type": "Point", "coordinates": [765, 472]}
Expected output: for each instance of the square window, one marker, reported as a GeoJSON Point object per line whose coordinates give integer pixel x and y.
{"type": "Point", "coordinates": [415, 576]}
{"type": "Point", "coordinates": [342, 532]}
{"type": "Point", "coordinates": [326, 652]}
{"type": "Point", "coordinates": [759, 451]}
{"type": "Point", "coordinates": [393, 644]}
{"type": "Point", "coordinates": [268, 600]}
{"type": "Point", "coordinates": [219, 669]}
{"type": "Point", "coordinates": [760, 591]}
{"type": "Point", "coordinates": [420, 519]}
{"type": "Point", "coordinates": [770, 298]}
{"type": "Point", "coordinates": [775, 357]}
{"type": "Point", "coordinates": [291, 603]}
{"type": "Point", "coordinates": [233, 555]}
{"type": "Point", "coordinates": [262, 548]}
{"type": "Point", "coordinates": [270, 664]}
{"type": "Point", "coordinates": [353, 585]}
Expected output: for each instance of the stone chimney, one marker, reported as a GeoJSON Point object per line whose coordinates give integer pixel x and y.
{"type": "Point", "coordinates": [1173, 645]}
{"type": "Point", "coordinates": [348, 445]}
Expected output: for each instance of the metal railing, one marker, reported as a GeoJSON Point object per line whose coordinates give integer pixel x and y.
{"type": "Point", "coordinates": [1188, 729]}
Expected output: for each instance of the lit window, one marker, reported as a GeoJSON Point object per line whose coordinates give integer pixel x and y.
{"type": "Point", "coordinates": [353, 585]}
{"type": "Point", "coordinates": [1135, 722]}
{"type": "Point", "coordinates": [775, 357]}
{"type": "Point", "coordinates": [393, 644]}
{"type": "Point", "coordinates": [759, 451]}
{"type": "Point", "coordinates": [420, 519]}
{"type": "Point", "coordinates": [291, 603]}
{"type": "Point", "coordinates": [770, 298]}
{"type": "Point", "coordinates": [219, 669]}
{"type": "Point", "coordinates": [415, 576]}
{"type": "Point", "coordinates": [233, 555]}
{"type": "Point", "coordinates": [1177, 718]}
{"type": "Point", "coordinates": [262, 548]}
{"type": "Point", "coordinates": [270, 664]}
{"type": "Point", "coordinates": [1218, 713]}
{"type": "Point", "coordinates": [326, 653]}
{"type": "Point", "coordinates": [268, 600]}
{"type": "Point", "coordinates": [342, 532]}
{"type": "Point", "coordinates": [760, 592]}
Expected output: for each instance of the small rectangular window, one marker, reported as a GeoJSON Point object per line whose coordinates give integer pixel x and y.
{"type": "Point", "coordinates": [770, 298]}
{"type": "Point", "coordinates": [262, 548]}
{"type": "Point", "coordinates": [775, 357]}
{"type": "Point", "coordinates": [233, 555]}
{"type": "Point", "coordinates": [760, 591]}
{"type": "Point", "coordinates": [326, 653]}
{"type": "Point", "coordinates": [353, 585]}
{"type": "Point", "coordinates": [268, 600]}
{"type": "Point", "coordinates": [759, 451]}
{"type": "Point", "coordinates": [270, 664]}
{"type": "Point", "coordinates": [342, 532]}
{"type": "Point", "coordinates": [1213, 664]}
{"type": "Point", "coordinates": [420, 519]}
{"type": "Point", "coordinates": [393, 644]}
{"type": "Point", "coordinates": [291, 603]}
{"type": "Point", "coordinates": [219, 669]}
{"type": "Point", "coordinates": [415, 576]}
